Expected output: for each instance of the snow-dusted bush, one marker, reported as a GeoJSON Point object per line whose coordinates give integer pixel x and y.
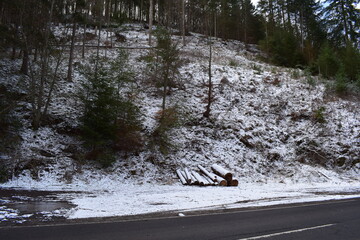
{"type": "Point", "coordinates": [167, 119]}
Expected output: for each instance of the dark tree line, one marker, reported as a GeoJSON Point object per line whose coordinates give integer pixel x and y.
{"type": "Point", "coordinates": [308, 33]}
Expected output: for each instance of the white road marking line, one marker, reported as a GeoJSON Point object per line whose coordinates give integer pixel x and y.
{"type": "Point", "coordinates": [288, 232]}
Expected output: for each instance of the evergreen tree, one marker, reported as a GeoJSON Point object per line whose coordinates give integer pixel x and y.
{"type": "Point", "coordinates": [327, 61]}
{"type": "Point", "coordinates": [110, 121]}
{"type": "Point", "coordinates": [343, 21]}
{"type": "Point", "coordinates": [351, 61]}
{"type": "Point", "coordinates": [166, 64]}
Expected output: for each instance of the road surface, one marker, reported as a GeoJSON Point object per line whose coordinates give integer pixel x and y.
{"type": "Point", "coordinates": [323, 220]}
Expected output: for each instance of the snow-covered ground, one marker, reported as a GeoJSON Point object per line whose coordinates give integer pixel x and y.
{"type": "Point", "coordinates": [266, 126]}
{"type": "Point", "coordinates": [106, 197]}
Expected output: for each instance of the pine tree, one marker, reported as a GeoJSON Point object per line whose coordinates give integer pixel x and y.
{"type": "Point", "coordinates": [343, 21]}
{"type": "Point", "coordinates": [351, 61]}
{"type": "Point", "coordinates": [110, 121]}
{"type": "Point", "coordinates": [327, 61]}
{"type": "Point", "coordinates": [167, 63]}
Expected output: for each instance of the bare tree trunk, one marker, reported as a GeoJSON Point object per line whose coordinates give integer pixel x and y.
{"type": "Point", "coordinates": [151, 15]}
{"type": "Point", "coordinates": [183, 22]}
{"type": "Point", "coordinates": [343, 13]}
{"type": "Point", "coordinates": [71, 56]}
{"type": "Point", "coordinates": [209, 96]}
{"type": "Point", "coordinates": [13, 53]}
{"type": "Point", "coordinates": [215, 25]}
{"type": "Point", "coordinates": [84, 34]}
{"type": "Point", "coordinates": [141, 10]}
{"type": "Point", "coordinates": [245, 25]}
{"type": "Point", "coordinates": [25, 62]}
{"type": "Point", "coordinates": [165, 89]}
{"type": "Point", "coordinates": [52, 85]}
{"type": "Point", "coordinates": [38, 83]}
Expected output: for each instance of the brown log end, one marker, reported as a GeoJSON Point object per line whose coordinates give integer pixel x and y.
{"type": "Point", "coordinates": [228, 177]}
{"type": "Point", "coordinates": [233, 183]}
{"type": "Point", "coordinates": [223, 183]}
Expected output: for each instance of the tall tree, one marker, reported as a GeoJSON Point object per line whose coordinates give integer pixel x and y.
{"type": "Point", "coordinates": [343, 20]}
{"type": "Point", "coordinates": [151, 15]}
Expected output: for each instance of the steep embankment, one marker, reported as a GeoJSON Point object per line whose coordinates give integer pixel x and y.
{"type": "Point", "coordinates": [267, 123]}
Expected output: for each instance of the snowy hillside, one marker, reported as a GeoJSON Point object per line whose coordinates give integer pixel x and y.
{"type": "Point", "coordinates": [269, 125]}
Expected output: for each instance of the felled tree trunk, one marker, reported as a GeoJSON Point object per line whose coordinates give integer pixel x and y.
{"type": "Point", "coordinates": [202, 181]}
{"type": "Point", "coordinates": [181, 177]}
{"type": "Point", "coordinates": [222, 172]}
{"type": "Point", "coordinates": [233, 183]}
{"type": "Point", "coordinates": [213, 177]}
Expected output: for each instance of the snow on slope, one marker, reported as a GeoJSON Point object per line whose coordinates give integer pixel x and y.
{"type": "Point", "coordinates": [263, 127]}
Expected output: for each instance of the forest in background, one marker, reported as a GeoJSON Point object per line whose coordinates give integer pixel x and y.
{"type": "Point", "coordinates": [293, 32]}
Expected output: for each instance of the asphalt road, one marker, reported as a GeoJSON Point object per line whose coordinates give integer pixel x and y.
{"type": "Point", "coordinates": [323, 220]}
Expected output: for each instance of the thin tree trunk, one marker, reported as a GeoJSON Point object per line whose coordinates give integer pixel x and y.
{"type": "Point", "coordinates": [165, 89]}
{"type": "Point", "coordinates": [208, 107]}
{"type": "Point", "coordinates": [302, 29]}
{"type": "Point", "coordinates": [71, 56]}
{"type": "Point", "coordinates": [183, 22]}
{"type": "Point", "coordinates": [343, 13]}
{"type": "Point", "coordinates": [25, 62]}
{"type": "Point", "coordinates": [84, 35]}
{"type": "Point", "coordinates": [151, 20]}
{"type": "Point", "coordinates": [13, 53]}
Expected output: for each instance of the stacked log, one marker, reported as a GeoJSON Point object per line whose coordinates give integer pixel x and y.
{"type": "Point", "coordinates": [221, 177]}
{"type": "Point", "coordinates": [227, 175]}
{"type": "Point", "coordinates": [219, 170]}
{"type": "Point", "coordinates": [181, 177]}
{"type": "Point", "coordinates": [215, 178]}
{"type": "Point", "coordinates": [188, 176]}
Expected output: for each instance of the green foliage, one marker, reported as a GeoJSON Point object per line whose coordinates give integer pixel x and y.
{"type": "Point", "coordinates": [106, 158]}
{"type": "Point", "coordinates": [327, 61]}
{"type": "Point", "coordinates": [233, 63]}
{"type": "Point", "coordinates": [341, 85]}
{"type": "Point", "coordinates": [148, 58]}
{"type": "Point", "coordinates": [163, 71]}
{"type": "Point", "coordinates": [9, 122]}
{"type": "Point", "coordinates": [295, 74]}
{"type": "Point", "coordinates": [351, 61]}
{"type": "Point", "coordinates": [168, 119]}
{"type": "Point", "coordinates": [108, 118]}
{"type": "Point", "coordinates": [4, 173]}
{"type": "Point", "coordinates": [357, 83]}
{"type": "Point", "coordinates": [319, 115]}
{"type": "Point", "coordinates": [309, 78]}
{"type": "Point", "coordinates": [343, 18]}
{"type": "Point", "coordinates": [282, 48]}
{"type": "Point", "coordinates": [257, 69]}
{"type": "Point", "coordinates": [168, 58]}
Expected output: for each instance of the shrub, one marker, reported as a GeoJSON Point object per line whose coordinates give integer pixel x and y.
{"type": "Point", "coordinates": [309, 78]}
{"type": "Point", "coordinates": [4, 172]}
{"type": "Point", "coordinates": [233, 63]}
{"type": "Point", "coordinates": [295, 74]}
{"type": "Point", "coordinates": [257, 69]}
{"type": "Point", "coordinates": [167, 119]}
{"type": "Point", "coordinates": [357, 83]}
{"type": "Point", "coordinates": [319, 116]}
{"type": "Point", "coordinates": [341, 83]}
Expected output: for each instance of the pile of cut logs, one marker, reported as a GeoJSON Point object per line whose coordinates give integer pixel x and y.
{"type": "Point", "coordinates": [220, 176]}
